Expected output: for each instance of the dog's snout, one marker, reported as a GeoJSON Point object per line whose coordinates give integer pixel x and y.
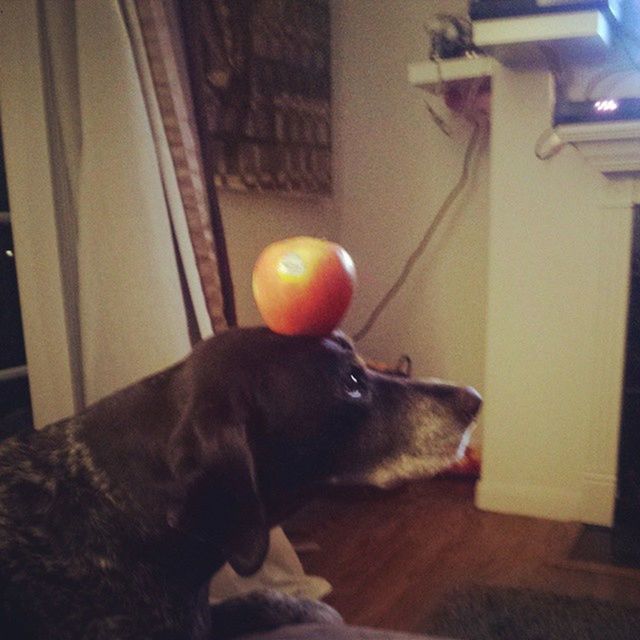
{"type": "Point", "coordinates": [467, 402]}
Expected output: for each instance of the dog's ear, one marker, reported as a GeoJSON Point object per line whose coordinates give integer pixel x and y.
{"type": "Point", "coordinates": [218, 493]}
{"type": "Point", "coordinates": [248, 541]}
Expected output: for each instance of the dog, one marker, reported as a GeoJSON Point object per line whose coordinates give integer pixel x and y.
{"type": "Point", "coordinates": [113, 521]}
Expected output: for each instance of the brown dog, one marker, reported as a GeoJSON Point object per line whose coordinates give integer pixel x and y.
{"type": "Point", "coordinates": [112, 522]}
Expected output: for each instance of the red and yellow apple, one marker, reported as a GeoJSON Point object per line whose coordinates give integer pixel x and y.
{"type": "Point", "coordinates": [303, 285]}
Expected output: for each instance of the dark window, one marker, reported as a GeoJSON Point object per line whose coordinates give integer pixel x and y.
{"type": "Point", "coordinates": [11, 338]}
{"type": "Point", "coordinates": [15, 404]}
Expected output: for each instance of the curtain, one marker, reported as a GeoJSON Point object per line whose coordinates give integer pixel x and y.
{"type": "Point", "coordinates": [140, 261]}
{"type": "Point", "coordinates": [156, 40]}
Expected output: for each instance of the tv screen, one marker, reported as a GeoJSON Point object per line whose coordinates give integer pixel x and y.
{"type": "Point", "coordinates": [487, 9]}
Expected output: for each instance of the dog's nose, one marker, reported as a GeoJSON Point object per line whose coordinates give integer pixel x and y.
{"type": "Point", "coordinates": [467, 402]}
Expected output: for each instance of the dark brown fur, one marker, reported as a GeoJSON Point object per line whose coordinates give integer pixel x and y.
{"type": "Point", "coordinates": [112, 522]}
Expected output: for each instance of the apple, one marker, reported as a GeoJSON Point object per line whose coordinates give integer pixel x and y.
{"type": "Point", "coordinates": [303, 285]}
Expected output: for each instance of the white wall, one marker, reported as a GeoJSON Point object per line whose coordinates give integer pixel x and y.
{"type": "Point", "coordinates": [393, 169]}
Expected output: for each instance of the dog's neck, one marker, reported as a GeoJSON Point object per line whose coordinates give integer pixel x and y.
{"type": "Point", "coordinates": [137, 491]}
{"type": "Point", "coordinates": [121, 445]}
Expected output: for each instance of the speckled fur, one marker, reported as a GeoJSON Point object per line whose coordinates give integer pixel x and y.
{"type": "Point", "coordinates": [112, 522]}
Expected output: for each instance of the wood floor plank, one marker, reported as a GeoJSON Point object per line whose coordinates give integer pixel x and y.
{"type": "Point", "coordinates": [392, 557]}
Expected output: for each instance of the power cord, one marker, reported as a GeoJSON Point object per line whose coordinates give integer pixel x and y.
{"type": "Point", "coordinates": [548, 145]}
{"type": "Point", "coordinates": [439, 91]}
{"type": "Point", "coordinates": [420, 249]}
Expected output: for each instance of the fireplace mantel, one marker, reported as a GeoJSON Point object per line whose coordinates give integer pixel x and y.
{"type": "Point", "coordinates": [559, 255]}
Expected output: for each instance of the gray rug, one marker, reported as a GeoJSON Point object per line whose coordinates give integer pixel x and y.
{"type": "Point", "coordinates": [491, 613]}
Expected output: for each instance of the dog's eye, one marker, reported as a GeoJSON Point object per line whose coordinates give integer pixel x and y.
{"type": "Point", "coordinates": [355, 384]}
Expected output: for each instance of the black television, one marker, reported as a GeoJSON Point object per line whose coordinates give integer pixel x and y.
{"type": "Point", "coordinates": [492, 9]}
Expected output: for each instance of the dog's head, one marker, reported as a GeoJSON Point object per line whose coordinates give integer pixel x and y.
{"type": "Point", "coordinates": [268, 416]}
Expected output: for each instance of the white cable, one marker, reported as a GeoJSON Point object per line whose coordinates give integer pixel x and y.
{"type": "Point", "coordinates": [548, 144]}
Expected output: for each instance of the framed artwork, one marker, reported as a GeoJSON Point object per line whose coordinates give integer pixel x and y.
{"type": "Point", "coordinates": [266, 86]}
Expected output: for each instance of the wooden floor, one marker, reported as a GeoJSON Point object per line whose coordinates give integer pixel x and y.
{"type": "Point", "coordinates": [393, 556]}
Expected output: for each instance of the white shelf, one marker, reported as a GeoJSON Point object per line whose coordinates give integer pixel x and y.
{"type": "Point", "coordinates": [577, 36]}
{"type": "Point", "coordinates": [611, 147]}
{"type": "Point", "coordinates": [430, 75]}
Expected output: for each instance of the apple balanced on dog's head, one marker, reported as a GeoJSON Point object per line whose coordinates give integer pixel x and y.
{"type": "Point", "coordinates": [303, 285]}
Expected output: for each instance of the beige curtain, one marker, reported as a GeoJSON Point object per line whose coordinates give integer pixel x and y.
{"type": "Point", "coordinates": [119, 206]}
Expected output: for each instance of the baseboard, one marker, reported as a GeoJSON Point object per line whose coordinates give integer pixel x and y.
{"type": "Point", "coordinates": [598, 499]}
{"type": "Point", "coordinates": [538, 501]}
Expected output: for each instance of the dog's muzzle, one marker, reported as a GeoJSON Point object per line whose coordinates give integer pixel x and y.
{"type": "Point", "coordinates": [466, 403]}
